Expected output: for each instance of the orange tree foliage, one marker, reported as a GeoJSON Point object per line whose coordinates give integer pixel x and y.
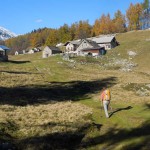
{"type": "Point", "coordinates": [133, 14]}
{"type": "Point", "coordinates": [96, 27]}
{"type": "Point", "coordinates": [119, 22]}
{"type": "Point", "coordinates": [106, 25]}
{"type": "Point", "coordinates": [83, 30]}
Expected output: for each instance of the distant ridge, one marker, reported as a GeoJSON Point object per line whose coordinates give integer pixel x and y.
{"type": "Point", "coordinates": [6, 34]}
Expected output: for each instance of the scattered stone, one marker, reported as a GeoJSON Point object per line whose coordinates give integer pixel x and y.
{"type": "Point", "coordinates": [131, 53]}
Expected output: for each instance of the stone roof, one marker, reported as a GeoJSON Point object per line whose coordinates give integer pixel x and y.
{"type": "Point", "coordinates": [54, 48]}
{"type": "Point", "coordinates": [2, 48]}
{"type": "Point", "coordinates": [75, 42]}
{"type": "Point", "coordinates": [92, 43]}
{"type": "Point", "coordinates": [103, 39]}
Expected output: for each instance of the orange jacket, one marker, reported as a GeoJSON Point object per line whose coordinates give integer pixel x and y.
{"type": "Point", "coordinates": [106, 95]}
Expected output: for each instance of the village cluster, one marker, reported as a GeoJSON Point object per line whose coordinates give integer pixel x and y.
{"type": "Point", "coordinates": [94, 46]}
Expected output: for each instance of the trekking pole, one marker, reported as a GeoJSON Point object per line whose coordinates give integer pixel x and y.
{"type": "Point", "coordinates": [111, 108]}
{"type": "Point", "coordinates": [101, 109]}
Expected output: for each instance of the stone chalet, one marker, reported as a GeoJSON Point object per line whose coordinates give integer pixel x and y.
{"type": "Point", "coordinates": [50, 50]}
{"type": "Point", "coordinates": [106, 41]}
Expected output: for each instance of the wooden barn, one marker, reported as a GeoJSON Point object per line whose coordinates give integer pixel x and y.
{"type": "Point", "coordinates": [4, 53]}
{"type": "Point", "coordinates": [50, 50]}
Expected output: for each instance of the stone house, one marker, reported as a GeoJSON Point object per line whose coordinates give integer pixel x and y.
{"type": "Point", "coordinates": [4, 53]}
{"type": "Point", "coordinates": [108, 42]}
{"type": "Point", "coordinates": [50, 50]}
{"type": "Point", "coordinates": [71, 46]}
{"type": "Point", "coordinates": [88, 47]}
{"type": "Point", "coordinates": [95, 51]}
{"type": "Point", "coordinates": [31, 51]}
{"type": "Point", "coordinates": [16, 53]}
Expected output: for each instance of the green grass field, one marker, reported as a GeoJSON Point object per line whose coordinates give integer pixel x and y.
{"type": "Point", "coordinates": [54, 104]}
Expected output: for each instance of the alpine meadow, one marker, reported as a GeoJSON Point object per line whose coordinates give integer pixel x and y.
{"type": "Point", "coordinates": [53, 104]}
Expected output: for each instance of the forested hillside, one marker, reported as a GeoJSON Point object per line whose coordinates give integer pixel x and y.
{"type": "Point", "coordinates": [79, 30]}
{"type": "Point", "coordinates": [55, 103]}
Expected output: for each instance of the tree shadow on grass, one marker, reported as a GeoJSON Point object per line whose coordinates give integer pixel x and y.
{"type": "Point", "coordinates": [18, 62]}
{"type": "Point", "coordinates": [58, 140]}
{"type": "Point", "coordinates": [53, 92]}
{"type": "Point", "coordinates": [69, 140]}
{"type": "Point", "coordinates": [147, 106]}
{"type": "Point", "coordinates": [120, 109]}
{"type": "Point", "coordinates": [7, 130]}
{"type": "Point", "coordinates": [72, 140]}
{"type": "Point", "coordinates": [114, 137]}
{"type": "Point", "coordinates": [18, 72]}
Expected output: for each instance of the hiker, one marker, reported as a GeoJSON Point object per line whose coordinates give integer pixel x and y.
{"type": "Point", "coordinates": [105, 99]}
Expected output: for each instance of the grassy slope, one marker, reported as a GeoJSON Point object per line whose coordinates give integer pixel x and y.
{"type": "Point", "coordinates": [29, 80]}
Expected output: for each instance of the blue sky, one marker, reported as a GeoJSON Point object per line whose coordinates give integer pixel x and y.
{"type": "Point", "coordinates": [22, 16]}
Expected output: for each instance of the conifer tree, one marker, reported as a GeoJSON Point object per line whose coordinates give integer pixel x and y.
{"type": "Point", "coordinates": [96, 28]}
{"type": "Point", "coordinates": [83, 30]}
{"type": "Point", "coordinates": [145, 4]}
{"type": "Point", "coordinates": [52, 39]}
{"type": "Point", "coordinates": [119, 22]}
{"type": "Point", "coordinates": [133, 14]}
{"type": "Point", "coordinates": [64, 33]}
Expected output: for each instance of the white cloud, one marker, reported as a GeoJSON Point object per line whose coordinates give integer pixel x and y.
{"type": "Point", "coordinates": [38, 20]}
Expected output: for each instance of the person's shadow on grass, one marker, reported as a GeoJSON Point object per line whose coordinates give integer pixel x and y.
{"type": "Point", "coordinates": [120, 109]}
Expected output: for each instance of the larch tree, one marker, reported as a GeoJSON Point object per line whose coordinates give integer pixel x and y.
{"type": "Point", "coordinates": [106, 25]}
{"type": "Point", "coordinates": [96, 28]}
{"type": "Point", "coordinates": [83, 30]}
{"type": "Point", "coordinates": [119, 22]}
{"type": "Point", "coordinates": [52, 39]}
{"type": "Point", "coordinates": [64, 33]}
{"type": "Point", "coordinates": [73, 30]}
{"type": "Point", "coordinates": [133, 14]}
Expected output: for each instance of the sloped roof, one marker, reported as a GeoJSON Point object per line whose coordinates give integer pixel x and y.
{"type": "Point", "coordinates": [92, 43]}
{"type": "Point", "coordinates": [103, 39]}
{"type": "Point", "coordinates": [54, 48]}
{"type": "Point", "coordinates": [75, 42]}
{"type": "Point", "coordinates": [2, 47]}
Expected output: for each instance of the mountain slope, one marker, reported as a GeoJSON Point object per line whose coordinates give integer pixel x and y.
{"type": "Point", "coordinates": [6, 34]}
{"type": "Point", "coordinates": [137, 42]}
{"type": "Point", "coordinates": [35, 93]}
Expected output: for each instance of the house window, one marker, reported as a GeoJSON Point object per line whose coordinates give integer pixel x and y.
{"type": "Point", "coordinates": [1, 53]}
{"type": "Point", "coordinates": [109, 46]}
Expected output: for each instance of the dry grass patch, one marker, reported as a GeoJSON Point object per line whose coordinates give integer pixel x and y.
{"type": "Point", "coordinates": [43, 119]}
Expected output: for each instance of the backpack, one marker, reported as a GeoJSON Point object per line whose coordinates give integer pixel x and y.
{"type": "Point", "coordinates": [107, 95]}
